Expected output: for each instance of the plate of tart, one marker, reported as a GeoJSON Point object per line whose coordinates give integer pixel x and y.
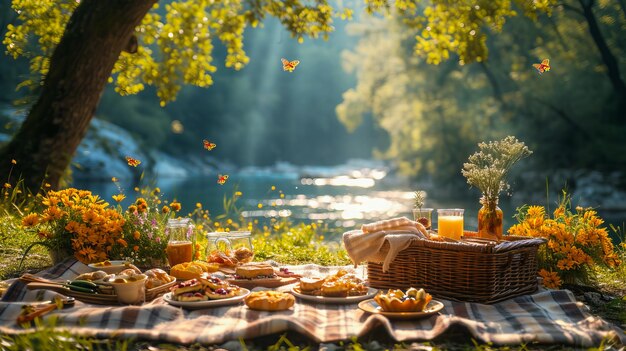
{"type": "Point", "coordinates": [339, 288]}
{"type": "Point", "coordinates": [399, 304]}
{"type": "Point", "coordinates": [260, 274]}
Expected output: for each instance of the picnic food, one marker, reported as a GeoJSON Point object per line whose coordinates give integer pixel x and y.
{"type": "Point", "coordinates": [269, 300]}
{"type": "Point", "coordinates": [340, 284]}
{"type": "Point", "coordinates": [191, 270]}
{"type": "Point", "coordinates": [204, 288]}
{"type": "Point", "coordinates": [311, 286]}
{"type": "Point", "coordinates": [157, 277]}
{"type": "Point", "coordinates": [238, 256]}
{"type": "Point", "coordinates": [255, 271]}
{"type": "Point", "coordinates": [396, 300]}
{"type": "Point", "coordinates": [91, 276]}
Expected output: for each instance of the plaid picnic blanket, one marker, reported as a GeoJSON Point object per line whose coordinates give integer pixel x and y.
{"type": "Point", "coordinates": [550, 317]}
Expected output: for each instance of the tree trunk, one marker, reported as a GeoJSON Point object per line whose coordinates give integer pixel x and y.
{"type": "Point", "coordinates": [79, 68]}
{"type": "Point", "coordinates": [605, 51]}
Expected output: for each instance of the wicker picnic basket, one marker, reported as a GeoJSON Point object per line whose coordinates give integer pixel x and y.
{"type": "Point", "coordinates": [473, 270]}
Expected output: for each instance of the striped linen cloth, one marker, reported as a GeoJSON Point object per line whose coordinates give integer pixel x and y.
{"type": "Point", "coordinates": [367, 244]}
{"type": "Point", "coordinates": [548, 317]}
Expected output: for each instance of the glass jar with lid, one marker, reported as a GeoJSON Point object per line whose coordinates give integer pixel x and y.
{"type": "Point", "coordinates": [229, 248]}
{"type": "Point", "coordinates": [180, 241]}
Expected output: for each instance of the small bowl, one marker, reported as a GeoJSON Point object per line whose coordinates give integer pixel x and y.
{"type": "Point", "coordinates": [131, 292]}
{"type": "Point", "coordinates": [114, 268]}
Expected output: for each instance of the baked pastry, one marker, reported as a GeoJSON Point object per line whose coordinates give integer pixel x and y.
{"type": "Point", "coordinates": [254, 271]}
{"type": "Point", "coordinates": [191, 270]}
{"type": "Point", "coordinates": [192, 285]}
{"type": "Point", "coordinates": [311, 286]}
{"type": "Point", "coordinates": [222, 293]}
{"type": "Point", "coordinates": [269, 300]}
{"type": "Point", "coordinates": [157, 277]}
{"type": "Point", "coordinates": [212, 282]}
{"type": "Point", "coordinates": [91, 276]}
{"type": "Point", "coordinates": [398, 301]}
{"type": "Point", "coordinates": [192, 297]}
{"type": "Point", "coordinates": [337, 288]}
{"type": "Point", "coordinates": [130, 271]}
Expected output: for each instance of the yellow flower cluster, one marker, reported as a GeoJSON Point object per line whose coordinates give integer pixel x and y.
{"type": "Point", "coordinates": [576, 242]}
{"type": "Point", "coordinates": [77, 220]}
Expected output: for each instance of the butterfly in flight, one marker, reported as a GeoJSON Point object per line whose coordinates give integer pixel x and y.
{"type": "Point", "coordinates": [544, 66]}
{"type": "Point", "coordinates": [208, 145]}
{"type": "Point", "coordinates": [221, 179]}
{"type": "Point", "coordinates": [289, 65]}
{"type": "Point", "coordinates": [132, 161]}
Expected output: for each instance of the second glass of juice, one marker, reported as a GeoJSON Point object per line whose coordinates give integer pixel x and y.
{"type": "Point", "coordinates": [180, 243]}
{"type": "Point", "coordinates": [450, 222]}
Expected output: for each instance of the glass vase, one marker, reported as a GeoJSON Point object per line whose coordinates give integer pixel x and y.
{"type": "Point", "coordinates": [490, 221]}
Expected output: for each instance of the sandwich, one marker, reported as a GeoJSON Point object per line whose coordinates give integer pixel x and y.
{"type": "Point", "coordinates": [255, 271]}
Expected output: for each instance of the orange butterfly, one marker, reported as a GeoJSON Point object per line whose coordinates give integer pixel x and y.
{"type": "Point", "coordinates": [208, 145]}
{"type": "Point", "coordinates": [544, 66]}
{"type": "Point", "coordinates": [221, 179]}
{"type": "Point", "coordinates": [132, 162]}
{"type": "Point", "coordinates": [289, 65]}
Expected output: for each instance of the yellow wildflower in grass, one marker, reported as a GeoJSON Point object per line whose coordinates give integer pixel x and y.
{"type": "Point", "coordinates": [47, 185]}
{"type": "Point", "coordinates": [135, 248]}
{"type": "Point", "coordinates": [13, 162]}
{"type": "Point", "coordinates": [136, 235]}
{"type": "Point", "coordinates": [238, 193]}
{"type": "Point", "coordinates": [132, 208]}
{"type": "Point", "coordinates": [30, 220]}
{"type": "Point", "coordinates": [260, 205]}
{"type": "Point", "coordinates": [198, 205]}
{"type": "Point", "coordinates": [118, 197]}
{"type": "Point", "coordinates": [576, 242]}
{"type": "Point", "coordinates": [551, 279]}
{"type": "Point", "coordinates": [273, 187]}
{"type": "Point", "coordinates": [165, 209]}
{"type": "Point", "coordinates": [7, 186]}
{"type": "Point", "coordinates": [175, 206]}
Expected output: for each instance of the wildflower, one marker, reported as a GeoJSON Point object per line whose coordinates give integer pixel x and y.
{"type": "Point", "coordinates": [165, 209]}
{"type": "Point", "coordinates": [135, 248]}
{"type": "Point", "coordinates": [122, 242]}
{"type": "Point", "coordinates": [132, 209]}
{"type": "Point", "coordinates": [30, 220]}
{"type": "Point", "coordinates": [47, 185]}
{"type": "Point", "coordinates": [114, 180]}
{"type": "Point", "coordinates": [551, 279]}
{"type": "Point", "coordinates": [7, 186]}
{"type": "Point", "coordinates": [238, 193]}
{"type": "Point", "coordinates": [175, 206]}
{"type": "Point", "coordinates": [198, 205]}
{"type": "Point", "coordinates": [260, 205]}
{"type": "Point", "coordinates": [119, 197]}
{"type": "Point", "coordinates": [282, 196]}
{"type": "Point", "coordinates": [136, 235]}
{"type": "Point", "coordinates": [14, 162]}
{"type": "Point", "coordinates": [273, 187]}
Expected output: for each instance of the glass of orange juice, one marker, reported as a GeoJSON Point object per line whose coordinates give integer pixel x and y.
{"type": "Point", "coordinates": [450, 222]}
{"type": "Point", "coordinates": [180, 243]}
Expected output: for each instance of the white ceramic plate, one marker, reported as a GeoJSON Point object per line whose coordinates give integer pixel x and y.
{"type": "Point", "coordinates": [371, 306]}
{"type": "Point", "coordinates": [114, 268]}
{"type": "Point", "coordinates": [333, 300]}
{"type": "Point", "coordinates": [195, 305]}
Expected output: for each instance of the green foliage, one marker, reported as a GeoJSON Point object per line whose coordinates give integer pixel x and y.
{"type": "Point", "coordinates": [45, 337]}
{"type": "Point", "coordinates": [434, 114]}
{"type": "Point", "coordinates": [175, 47]}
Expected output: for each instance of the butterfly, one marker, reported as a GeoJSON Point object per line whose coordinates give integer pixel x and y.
{"type": "Point", "coordinates": [221, 179]}
{"type": "Point", "coordinates": [289, 65]}
{"type": "Point", "coordinates": [208, 145]}
{"type": "Point", "coordinates": [544, 66]}
{"type": "Point", "coordinates": [132, 162]}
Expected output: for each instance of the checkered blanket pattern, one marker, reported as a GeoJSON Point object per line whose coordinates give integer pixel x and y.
{"type": "Point", "coordinates": [549, 317]}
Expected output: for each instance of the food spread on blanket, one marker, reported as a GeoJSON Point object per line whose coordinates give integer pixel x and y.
{"type": "Point", "coordinates": [206, 287]}
{"type": "Point", "coordinates": [269, 300]}
{"type": "Point", "coordinates": [396, 300]}
{"type": "Point", "coordinates": [340, 284]}
{"type": "Point", "coordinates": [100, 282]}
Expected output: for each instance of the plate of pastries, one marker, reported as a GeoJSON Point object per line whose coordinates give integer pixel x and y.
{"type": "Point", "coordinates": [399, 304]}
{"type": "Point", "coordinates": [204, 292]}
{"type": "Point", "coordinates": [269, 300]}
{"type": "Point", "coordinates": [341, 287]}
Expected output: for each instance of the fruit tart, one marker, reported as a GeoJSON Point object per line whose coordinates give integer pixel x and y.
{"type": "Point", "coordinates": [396, 300]}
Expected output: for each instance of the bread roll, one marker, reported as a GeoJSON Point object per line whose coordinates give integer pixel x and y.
{"type": "Point", "coordinates": [269, 300]}
{"type": "Point", "coordinates": [157, 277]}
{"type": "Point", "coordinates": [191, 270]}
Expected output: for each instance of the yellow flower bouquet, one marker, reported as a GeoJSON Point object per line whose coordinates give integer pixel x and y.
{"type": "Point", "coordinates": [75, 222]}
{"type": "Point", "coordinates": [577, 242]}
